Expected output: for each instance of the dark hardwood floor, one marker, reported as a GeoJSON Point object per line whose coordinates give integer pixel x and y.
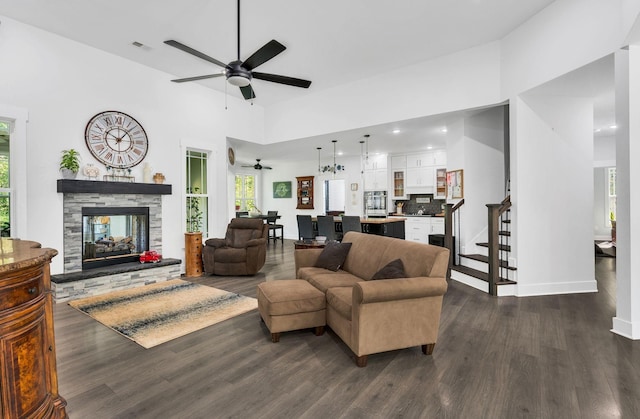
{"type": "Point", "coordinates": [538, 357]}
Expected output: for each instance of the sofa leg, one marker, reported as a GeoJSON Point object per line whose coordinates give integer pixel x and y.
{"type": "Point", "coordinates": [275, 337]}
{"type": "Point", "coordinates": [319, 330]}
{"type": "Point", "coordinates": [361, 361]}
{"type": "Point", "coordinates": [428, 349]}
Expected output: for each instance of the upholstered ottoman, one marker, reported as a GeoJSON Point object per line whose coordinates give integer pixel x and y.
{"type": "Point", "coordinates": [291, 304]}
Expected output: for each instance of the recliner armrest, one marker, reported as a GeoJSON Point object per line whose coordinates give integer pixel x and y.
{"type": "Point", "coordinates": [256, 242]}
{"type": "Point", "coordinates": [398, 289]}
{"type": "Point", "coordinates": [216, 242]}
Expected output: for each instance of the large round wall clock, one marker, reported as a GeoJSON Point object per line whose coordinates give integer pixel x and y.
{"type": "Point", "coordinates": [116, 139]}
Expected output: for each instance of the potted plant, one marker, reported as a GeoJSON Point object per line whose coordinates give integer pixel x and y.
{"type": "Point", "coordinates": [612, 219]}
{"type": "Point", "coordinates": [70, 163]}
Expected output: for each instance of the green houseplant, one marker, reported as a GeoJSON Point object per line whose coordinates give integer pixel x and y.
{"type": "Point", "coordinates": [70, 163]}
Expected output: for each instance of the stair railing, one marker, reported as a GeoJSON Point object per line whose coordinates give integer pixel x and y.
{"type": "Point", "coordinates": [495, 214]}
{"type": "Point", "coordinates": [450, 214]}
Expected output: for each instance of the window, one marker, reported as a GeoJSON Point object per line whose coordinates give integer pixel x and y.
{"type": "Point", "coordinates": [5, 180]}
{"type": "Point", "coordinates": [245, 192]}
{"type": "Point", "coordinates": [196, 193]}
{"type": "Point", "coordinates": [611, 193]}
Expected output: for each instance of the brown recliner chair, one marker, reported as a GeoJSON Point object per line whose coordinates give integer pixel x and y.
{"type": "Point", "coordinates": [243, 251]}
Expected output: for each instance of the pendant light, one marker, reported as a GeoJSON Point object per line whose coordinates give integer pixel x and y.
{"type": "Point", "coordinates": [319, 168]}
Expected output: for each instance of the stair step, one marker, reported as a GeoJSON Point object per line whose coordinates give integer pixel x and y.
{"type": "Point", "coordinates": [504, 247]}
{"type": "Point", "coordinates": [504, 233]}
{"type": "Point", "coordinates": [483, 276]}
{"type": "Point", "coordinates": [485, 259]}
{"type": "Point", "coordinates": [506, 221]}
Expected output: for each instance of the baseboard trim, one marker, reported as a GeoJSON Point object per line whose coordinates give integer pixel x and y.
{"type": "Point", "coordinates": [556, 288]}
{"type": "Point", "coordinates": [626, 329]}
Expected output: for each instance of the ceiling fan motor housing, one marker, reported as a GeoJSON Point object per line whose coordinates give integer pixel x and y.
{"type": "Point", "coordinates": [237, 75]}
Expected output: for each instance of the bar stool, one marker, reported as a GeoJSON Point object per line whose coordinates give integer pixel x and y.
{"type": "Point", "coordinates": [272, 217]}
{"type": "Point", "coordinates": [327, 227]}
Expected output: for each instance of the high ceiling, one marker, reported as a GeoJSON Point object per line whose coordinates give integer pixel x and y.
{"type": "Point", "coordinates": [329, 42]}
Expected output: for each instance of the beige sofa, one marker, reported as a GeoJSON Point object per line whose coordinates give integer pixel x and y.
{"type": "Point", "coordinates": [373, 316]}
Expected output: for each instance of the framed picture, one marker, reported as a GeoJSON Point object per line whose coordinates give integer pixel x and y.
{"type": "Point", "coordinates": [282, 189]}
{"type": "Point", "coordinates": [455, 184]}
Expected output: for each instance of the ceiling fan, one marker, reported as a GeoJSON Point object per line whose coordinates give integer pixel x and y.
{"type": "Point", "coordinates": [258, 166]}
{"type": "Point", "coordinates": [240, 73]}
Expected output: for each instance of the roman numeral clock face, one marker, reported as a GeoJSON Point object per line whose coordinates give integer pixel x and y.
{"type": "Point", "coordinates": [116, 139]}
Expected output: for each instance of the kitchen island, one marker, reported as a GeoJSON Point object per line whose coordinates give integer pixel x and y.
{"type": "Point", "coordinates": [390, 227]}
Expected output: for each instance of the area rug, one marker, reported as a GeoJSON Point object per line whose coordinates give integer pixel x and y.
{"type": "Point", "coordinates": [157, 313]}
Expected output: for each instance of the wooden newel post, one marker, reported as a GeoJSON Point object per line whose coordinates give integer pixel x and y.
{"type": "Point", "coordinates": [494, 247]}
{"type": "Point", "coordinates": [448, 235]}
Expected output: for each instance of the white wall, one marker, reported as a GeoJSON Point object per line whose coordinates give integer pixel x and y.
{"type": "Point", "coordinates": [561, 38]}
{"type": "Point", "coordinates": [286, 207]}
{"type": "Point", "coordinates": [463, 80]}
{"type": "Point", "coordinates": [62, 84]}
{"type": "Point", "coordinates": [552, 192]}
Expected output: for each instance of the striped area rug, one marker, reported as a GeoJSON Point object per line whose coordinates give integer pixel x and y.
{"type": "Point", "coordinates": [158, 313]}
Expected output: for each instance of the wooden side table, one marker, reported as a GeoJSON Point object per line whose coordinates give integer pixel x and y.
{"type": "Point", "coordinates": [309, 244]}
{"type": "Point", "coordinates": [193, 254]}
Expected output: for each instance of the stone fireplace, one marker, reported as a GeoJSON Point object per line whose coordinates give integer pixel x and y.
{"type": "Point", "coordinates": [106, 226]}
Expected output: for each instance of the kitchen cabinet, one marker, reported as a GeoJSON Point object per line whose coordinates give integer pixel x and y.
{"type": "Point", "coordinates": [440, 183]}
{"type": "Point", "coordinates": [398, 177]}
{"type": "Point", "coordinates": [440, 158]}
{"type": "Point", "coordinates": [419, 160]}
{"type": "Point", "coordinates": [420, 177]}
{"type": "Point", "coordinates": [376, 162]}
{"type": "Point", "coordinates": [399, 162]}
{"type": "Point", "coordinates": [376, 180]}
{"type": "Point", "coordinates": [419, 229]}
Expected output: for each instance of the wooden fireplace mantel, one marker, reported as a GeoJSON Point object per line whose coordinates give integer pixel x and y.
{"type": "Point", "coordinates": [105, 187]}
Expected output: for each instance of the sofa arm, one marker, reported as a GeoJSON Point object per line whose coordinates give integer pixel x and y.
{"type": "Point", "coordinates": [216, 242]}
{"type": "Point", "coordinates": [306, 257]}
{"type": "Point", "coordinates": [398, 289]}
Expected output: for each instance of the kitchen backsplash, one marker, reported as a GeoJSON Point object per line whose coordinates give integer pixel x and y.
{"type": "Point", "coordinates": [411, 206]}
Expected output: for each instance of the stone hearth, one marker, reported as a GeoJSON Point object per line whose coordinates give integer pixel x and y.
{"type": "Point", "coordinates": [76, 283]}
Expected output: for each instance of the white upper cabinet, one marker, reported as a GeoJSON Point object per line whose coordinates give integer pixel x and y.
{"type": "Point", "coordinates": [420, 160]}
{"type": "Point", "coordinates": [376, 162]}
{"type": "Point", "coordinates": [440, 158]}
{"type": "Point", "coordinates": [399, 162]}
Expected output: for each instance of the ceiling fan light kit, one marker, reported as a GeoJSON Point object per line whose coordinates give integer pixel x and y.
{"type": "Point", "coordinates": [240, 73]}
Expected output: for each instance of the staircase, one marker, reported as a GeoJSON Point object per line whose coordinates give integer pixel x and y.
{"type": "Point", "coordinates": [490, 271]}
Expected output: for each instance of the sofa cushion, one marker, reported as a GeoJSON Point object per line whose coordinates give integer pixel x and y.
{"type": "Point", "coordinates": [285, 297]}
{"type": "Point", "coordinates": [324, 279]}
{"type": "Point", "coordinates": [230, 255]}
{"type": "Point", "coordinates": [393, 269]}
{"type": "Point", "coordinates": [340, 299]}
{"type": "Point", "coordinates": [333, 255]}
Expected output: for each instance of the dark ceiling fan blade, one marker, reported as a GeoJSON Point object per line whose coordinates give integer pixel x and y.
{"type": "Point", "coordinates": [208, 76]}
{"type": "Point", "coordinates": [291, 81]}
{"type": "Point", "coordinates": [247, 92]}
{"type": "Point", "coordinates": [264, 54]}
{"type": "Point", "coordinates": [192, 51]}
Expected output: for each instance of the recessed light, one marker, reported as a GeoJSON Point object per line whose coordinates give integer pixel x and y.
{"type": "Point", "coordinates": [429, 147]}
{"type": "Point", "coordinates": [613, 126]}
{"type": "Point", "coordinates": [444, 129]}
{"type": "Point", "coordinates": [396, 131]}
{"type": "Point", "coordinates": [597, 130]}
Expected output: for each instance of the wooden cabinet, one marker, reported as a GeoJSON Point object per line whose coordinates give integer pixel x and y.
{"type": "Point", "coordinates": [305, 192]}
{"type": "Point", "coordinates": [193, 254]}
{"type": "Point", "coordinates": [28, 357]}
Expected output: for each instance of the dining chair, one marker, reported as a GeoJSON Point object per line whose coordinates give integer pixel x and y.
{"type": "Point", "coordinates": [327, 227]}
{"type": "Point", "coordinates": [272, 219]}
{"type": "Point", "coordinates": [305, 227]}
{"type": "Point", "coordinates": [351, 223]}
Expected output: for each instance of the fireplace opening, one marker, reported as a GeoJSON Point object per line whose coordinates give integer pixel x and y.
{"type": "Point", "coordinates": [113, 235]}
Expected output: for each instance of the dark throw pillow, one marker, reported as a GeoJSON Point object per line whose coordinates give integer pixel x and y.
{"type": "Point", "coordinates": [393, 269]}
{"type": "Point", "coordinates": [333, 256]}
